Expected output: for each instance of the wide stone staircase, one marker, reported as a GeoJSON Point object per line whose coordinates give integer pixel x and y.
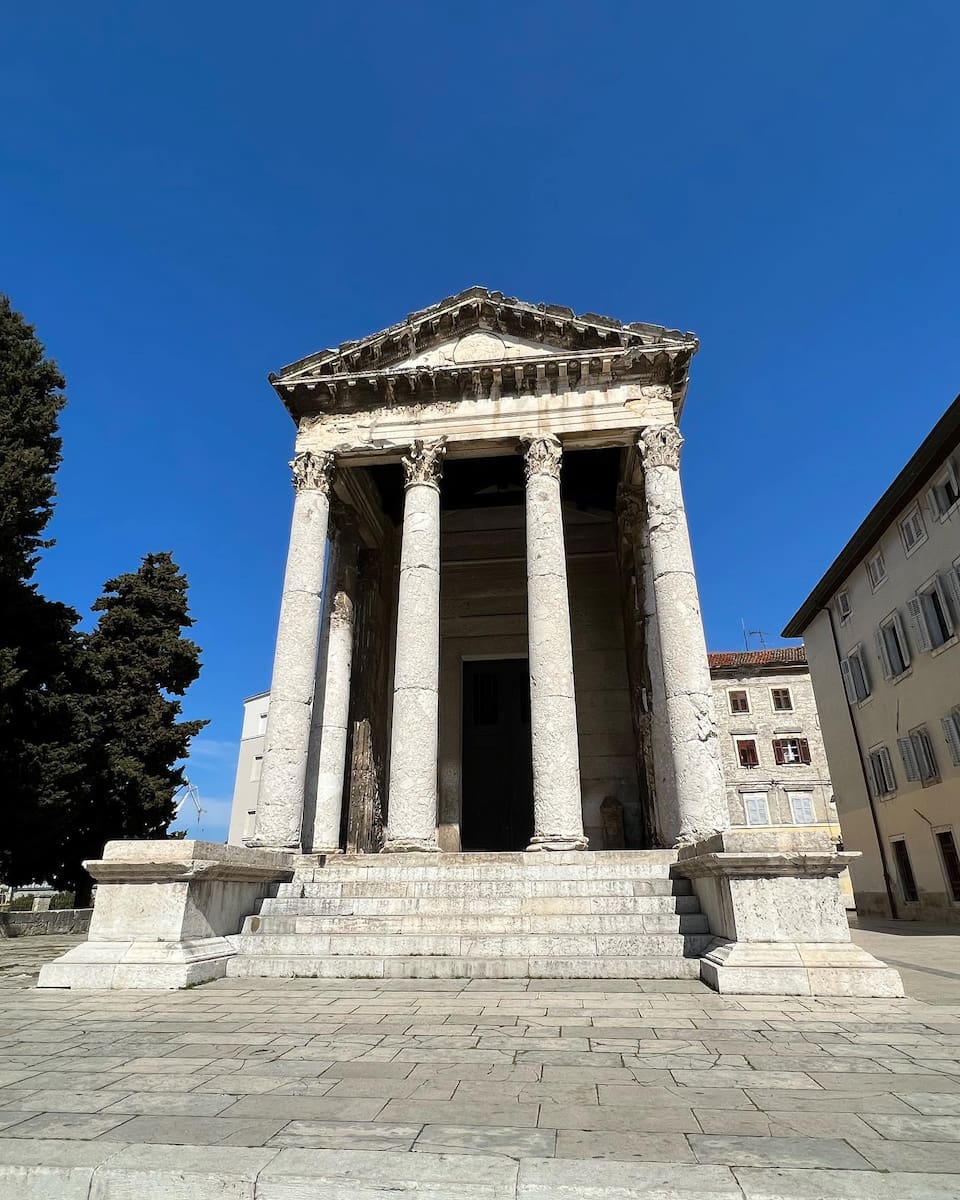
{"type": "Point", "coordinates": [577, 915]}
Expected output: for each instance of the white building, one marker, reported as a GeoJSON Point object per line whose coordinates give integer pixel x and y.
{"type": "Point", "coordinates": [246, 786]}
{"type": "Point", "coordinates": [882, 629]}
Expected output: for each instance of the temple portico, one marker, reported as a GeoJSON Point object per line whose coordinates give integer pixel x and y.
{"type": "Point", "coordinates": [491, 746]}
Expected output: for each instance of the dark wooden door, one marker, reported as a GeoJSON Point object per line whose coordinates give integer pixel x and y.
{"type": "Point", "coordinates": [497, 771]}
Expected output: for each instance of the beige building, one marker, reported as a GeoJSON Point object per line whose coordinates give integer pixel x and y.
{"type": "Point", "coordinates": [882, 630]}
{"type": "Point", "coordinates": [774, 762]}
{"type": "Point", "coordinates": [246, 786]}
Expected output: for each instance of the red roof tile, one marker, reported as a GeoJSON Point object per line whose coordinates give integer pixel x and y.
{"type": "Point", "coordinates": [788, 655]}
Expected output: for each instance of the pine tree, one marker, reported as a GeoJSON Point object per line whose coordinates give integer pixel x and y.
{"type": "Point", "coordinates": [138, 662]}
{"type": "Point", "coordinates": [41, 738]}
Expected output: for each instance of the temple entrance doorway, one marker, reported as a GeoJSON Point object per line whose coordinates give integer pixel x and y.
{"type": "Point", "coordinates": [497, 772]}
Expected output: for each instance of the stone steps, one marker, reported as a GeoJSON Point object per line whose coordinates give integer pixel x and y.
{"type": "Point", "coordinates": [447, 906]}
{"type": "Point", "coordinates": [612, 914]}
{"type": "Point", "coordinates": [481, 888]}
{"type": "Point", "coordinates": [290, 945]}
{"type": "Point", "coordinates": [463, 967]}
{"type": "Point", "coordinates": [474, 923]}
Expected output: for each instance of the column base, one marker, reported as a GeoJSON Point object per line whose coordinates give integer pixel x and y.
{"type": "Point", "coordinates": [557, 842]}
{"type": "Point", "coordinates": [797, 969]}
{"type": "Point", "coordinates": [410, 846]}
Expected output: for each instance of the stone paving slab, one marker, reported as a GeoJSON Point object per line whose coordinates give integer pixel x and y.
{"type": "Point", "coordinates": [294, 1090]}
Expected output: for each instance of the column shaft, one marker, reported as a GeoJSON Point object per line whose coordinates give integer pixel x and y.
{"type": "Point", "coordinates": [412, 796]}
{"type": "Point", "coordinates": [557, 806]}
{"type": "Point", "coordinates": [286, 743]}
{"type": "Point", "coordinates": [334, 697]}
{"type": "Point", "coordinates": [697, 806]}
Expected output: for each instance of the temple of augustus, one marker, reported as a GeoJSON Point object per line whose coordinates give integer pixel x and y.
{"type": "Point", "coordinates": [491, 746]}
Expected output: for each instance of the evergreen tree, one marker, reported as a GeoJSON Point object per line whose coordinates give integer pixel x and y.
{"type": "Point", "coordinates": [138, 662]}
{"type": "Point", "coordinates": [41, 727]}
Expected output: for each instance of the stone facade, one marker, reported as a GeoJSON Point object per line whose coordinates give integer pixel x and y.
{"type": "Point", "coordinates": [882, 630]}
{"type": "Point", "coordinates": [551, 745]}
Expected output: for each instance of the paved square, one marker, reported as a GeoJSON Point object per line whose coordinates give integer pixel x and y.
{"type": "Point", "coordinates": [503, 1089]}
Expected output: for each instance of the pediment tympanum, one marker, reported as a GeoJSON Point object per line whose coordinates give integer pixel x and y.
{"type": "Point", "coordinates": [481, 345]}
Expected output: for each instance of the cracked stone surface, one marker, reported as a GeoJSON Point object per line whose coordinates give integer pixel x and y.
{"type": "Point", "coordinates": [272, 1089]}
{"type": "Point", "coordinates": [412, 821]}
{"type": "Point", "coordinates": [286, 743]}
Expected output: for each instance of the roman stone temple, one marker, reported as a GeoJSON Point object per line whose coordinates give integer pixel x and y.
{"type": "Point", "coordinates": [491, 746]}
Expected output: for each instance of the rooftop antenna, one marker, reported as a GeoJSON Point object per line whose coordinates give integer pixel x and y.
{"type": "Point", "coordinates": [749, 633]}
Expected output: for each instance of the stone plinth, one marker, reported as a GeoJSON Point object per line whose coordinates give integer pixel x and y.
{"type": "Point", "coordinates": [773, 900]}
{"type": "Point", "coordinates": [164, 913]}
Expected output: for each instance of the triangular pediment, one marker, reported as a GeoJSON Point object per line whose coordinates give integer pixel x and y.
{"type": "Point", "coordinates": [479, 327]}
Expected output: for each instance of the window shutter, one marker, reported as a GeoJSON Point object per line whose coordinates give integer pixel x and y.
{"type": "Point", "coordinates": [778, 752]}
{"type": "Point", "coordinates": [933, 500]}
{"type": "Point", "coordinates": [951, 731]}
{"type": "Point", "coordinates": [902, 639]}
{"type": "Point", "coordinates": [910, 766]}
{"type": "Point", "coordinates": [918, 622]}
{"type": "Point", "coordinates": [889, 779]}
{"type": "Point", "coordinates": [804, 750]}
{"type": "Point", "coordinates": [883, 654]}
{"type": "Point", "coordinates": [928, 764]}
{"type": "Point", "coordinates": [943, 586]}
{"type": "Point", "coordinates": [953, 588]}
{"type": "Point", "coordinates": [847, 676]}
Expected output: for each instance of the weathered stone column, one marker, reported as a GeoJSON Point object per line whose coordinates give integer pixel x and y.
{"type": "Point", "coordinates": [557, 811]}
{"type": "Point", "coordinates": [286, 744]}
{"type": "Point", "coordinates": [412, 796]}
{"type": "Point", "coordinates": [334, 694]}
{"type": "Point", "coordinates": [696, 807]}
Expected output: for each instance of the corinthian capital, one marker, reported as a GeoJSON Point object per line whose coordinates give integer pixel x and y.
{"type": "Point", "coordinates": [659, 446]}
{"type": "Point", "coordinates": [313, 471]}
{"type": "Point", "coordinates": [542, 454]}
{"type": "Point", "coordinates": [424, 463]}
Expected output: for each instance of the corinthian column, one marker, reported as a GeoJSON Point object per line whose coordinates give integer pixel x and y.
{"type": "Point", "coordinates": [333, 689]}
{"type": "Point", "coordinates": [557, 810]}
{"type": "Point", "coordinates": [696, 807]}
{"type": "Point", "coordinates": [412, 798]}
{"type": "Point", "coordinates": [280, 803]}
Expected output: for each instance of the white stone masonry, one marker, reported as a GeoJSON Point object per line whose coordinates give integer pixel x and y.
{"type": "Point", "coordinates": [557, 808]}
{"type": "Point", "coordinates": [697, 806]}
{"type": "Point", "coordinates": [336, 667]}
{"type": "Point", "coordinates": [286, 743]}
{"type": "Point", "coordinates": [412, 798]}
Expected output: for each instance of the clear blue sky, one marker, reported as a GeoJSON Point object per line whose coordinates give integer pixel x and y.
{"type": "Point", "coordinates": [193, 195]}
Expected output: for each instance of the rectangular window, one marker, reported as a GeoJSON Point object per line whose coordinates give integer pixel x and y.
{"type": "Point", "coordinates": [747, 752]}
{"type": "Point", "coordinates": [892, 647]}
{"type": "Point", "coordinates": [876, 569]}
{"type": "Point", "coordinates": [912, 530]}
{"type": "Point", "coordinates": [755, 808]}
{"type": "Point", "coordinates": [930, 615]}
{"type": "Point", "coordinates": [739, 702]}
{"type": "Point", "coordinates": [790, 751]}
{"type": "Point", "coordinates": [908, 885]}
{"type": "Point", "coordinates": [843, 606]}
{"type": "Point", "coordinates": [919, 760]}
{"type": "Point", "coordinates": [256, 767]}
{"type": "Point", "coordinates": [881, 768]}
{"type": "Point", "coordinates": [950, 724]}
{"type": "Point", "coordinates": [950, 860]}
{"type": "Point", "coordinates": [945, 492]}
{"type": "Point", "coordinates": [782, 700]}
{"type": "Point", "coordinates": [801, 808]}
{"type": "Point", "coordinates": [262, 723]}
{"type": "Point", "coordinates": [856, 680]}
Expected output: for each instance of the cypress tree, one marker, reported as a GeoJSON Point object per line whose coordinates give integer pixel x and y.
{"type": "Point", "coordinates": [41, 727]}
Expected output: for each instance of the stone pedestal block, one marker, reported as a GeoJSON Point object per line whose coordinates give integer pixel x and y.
{"type": "Point", "coordinates": [164, 913]}
{"type": "Point", "coordinates": [773, 902]}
